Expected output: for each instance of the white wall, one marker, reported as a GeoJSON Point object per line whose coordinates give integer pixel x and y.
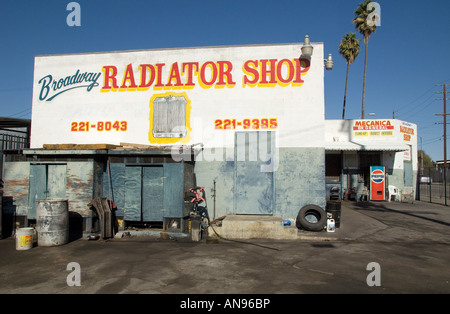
{"type": "Point", "coordinates": [298, 109]}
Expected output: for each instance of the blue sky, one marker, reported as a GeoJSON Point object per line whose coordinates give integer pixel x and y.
{"type": "Point", "coordinates": [407, 56]}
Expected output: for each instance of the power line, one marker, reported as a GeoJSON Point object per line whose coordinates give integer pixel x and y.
{"type": "Point", "coordinates": [410, 112]}
{"type": "Point", "coordinates": [417, 98]}
{"type": "Point", "coordinates": [431, 141]}
{"type": "Point", "coordinates": [20, 112]}
{"type": "Point", "coordinates": [23, 115]}
{"type": "Point", "coordinates": [425, 124]}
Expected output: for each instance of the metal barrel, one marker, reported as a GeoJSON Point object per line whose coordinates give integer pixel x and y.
{"type": "Point", "coordinates": [52, 222]}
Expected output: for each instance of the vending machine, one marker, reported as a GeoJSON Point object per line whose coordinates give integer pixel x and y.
{"type": "Point", "coordinates": [377, 184]}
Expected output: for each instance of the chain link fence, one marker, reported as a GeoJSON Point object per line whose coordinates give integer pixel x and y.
{"type": "Point", "coordinates": [434, 186]}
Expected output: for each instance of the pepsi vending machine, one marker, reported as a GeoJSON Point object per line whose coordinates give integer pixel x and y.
{"type": "Point", "coordinates": [377, 187]}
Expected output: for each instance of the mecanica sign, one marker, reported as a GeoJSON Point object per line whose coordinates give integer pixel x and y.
{"type": "Point", "coordinates": [179, 96]}
{"type": "Point", "coordinates": [373, 128]}
{"type": "Point", "coordinates": [373, 125]}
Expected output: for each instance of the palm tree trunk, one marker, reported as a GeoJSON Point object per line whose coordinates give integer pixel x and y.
{"type": "Point", "coordinates": [345, 93]}
{"type": "Point", "coordinates": [365, 71]}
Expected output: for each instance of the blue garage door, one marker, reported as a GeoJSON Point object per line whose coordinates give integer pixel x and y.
{"type": "Point", "coordinates": [144, 193]}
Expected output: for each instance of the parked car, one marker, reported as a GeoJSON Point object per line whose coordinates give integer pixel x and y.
{"type": "Point", "coordinates": [426, 179]}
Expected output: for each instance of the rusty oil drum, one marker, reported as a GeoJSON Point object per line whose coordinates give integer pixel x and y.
{"type": "Point", "coordinates": [52, 222]}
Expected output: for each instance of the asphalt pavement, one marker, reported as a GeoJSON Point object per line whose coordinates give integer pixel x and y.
{"type": "Point", "coordinates": [380, 248]}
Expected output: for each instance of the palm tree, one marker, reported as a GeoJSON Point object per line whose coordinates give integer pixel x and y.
{"type": "Point", "coordinates": [362, 13]}
{"type": "Point", "coordinates": [349, 49]}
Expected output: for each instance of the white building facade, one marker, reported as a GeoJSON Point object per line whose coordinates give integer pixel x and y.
{"type": "Point", "coordinates": [253, 114]}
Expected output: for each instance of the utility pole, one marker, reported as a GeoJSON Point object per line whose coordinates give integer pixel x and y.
{"type": "Point", "coordinates": [421, 156]}
{"type": "Point", "coordinates": [445, 139]}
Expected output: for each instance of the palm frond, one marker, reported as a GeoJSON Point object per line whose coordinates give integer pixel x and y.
{"type": "Point", "coordinates": [360, 20]}
{"type": "Point", "coordinates": [349, 47]}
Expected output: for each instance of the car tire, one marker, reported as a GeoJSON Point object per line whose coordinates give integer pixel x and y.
{"type": "Point", "coordinates": [311, 218]}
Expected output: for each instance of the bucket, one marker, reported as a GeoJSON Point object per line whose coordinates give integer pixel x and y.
{"type": "Point", "coordinates": [330, 225]}
{"type": "Point", "coordinates": [24, 238]}
{"type": "Point", "coordinates": [52, 222]}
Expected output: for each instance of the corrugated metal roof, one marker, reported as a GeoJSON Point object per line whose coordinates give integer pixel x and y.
{"type": "Point", "coordinates": [14, 123]}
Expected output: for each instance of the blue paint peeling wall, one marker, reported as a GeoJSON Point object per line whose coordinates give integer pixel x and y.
{"type": "Point", "coordinates": [299, 180]}
{"type": "Point", "coordinates": [72, 180]}
{"type": "Point", "coordinates": [148, 191]}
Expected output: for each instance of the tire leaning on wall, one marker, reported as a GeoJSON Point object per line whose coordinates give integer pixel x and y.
{"type": "Point", "coordinates": [318, 215]}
